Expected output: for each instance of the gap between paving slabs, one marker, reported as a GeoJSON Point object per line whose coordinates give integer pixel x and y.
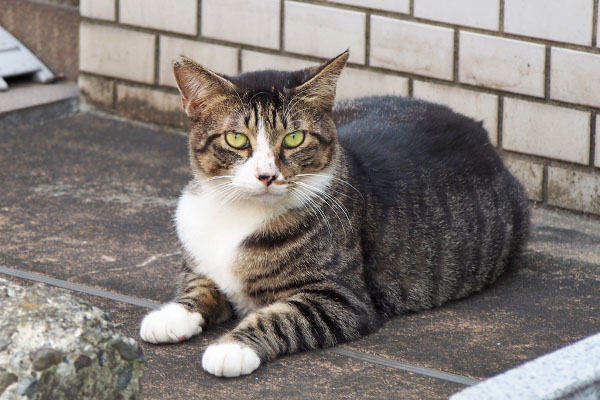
{"type": "Point", "coordinates": [429, 372]}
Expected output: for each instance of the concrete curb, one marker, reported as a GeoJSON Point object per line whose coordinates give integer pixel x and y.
{"type": "Point", "coordinates": [572, 372]}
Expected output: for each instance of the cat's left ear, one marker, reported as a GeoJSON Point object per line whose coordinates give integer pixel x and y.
{"type": "Point", "coordinates": [319, 89]}
{"type": "Point", "coordinates": [200, 88]}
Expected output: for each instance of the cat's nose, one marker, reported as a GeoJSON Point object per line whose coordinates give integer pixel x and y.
{"type": "Point", "coordinates": [266, 179]}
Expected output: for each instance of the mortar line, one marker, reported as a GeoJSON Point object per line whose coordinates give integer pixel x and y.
{"type": "Point", "coordinates": [281, 24]}
{"type": "Point", "coordinates": [79, 288]}
{"type": "Point", "coordinates": [433, 373]}
{"type": "Point", "coordinates": [343, 351]}
{"type": "Point", "coordinates": [455, 61]}
{"type": "Point", "coordinates": [595, 24]}
{"type": "Point", "coordinates": [547, 72]}
{"type": "Point", "coordinates": [501, 16]}
{"type": "Point", "coordinates": [199, 19]}
{"type": "Point", "coordinates": [367, 39]}
{"type": "Point", "coordinates": [593, 135]}
{"type": "Point", "coordinates": [500, 126]}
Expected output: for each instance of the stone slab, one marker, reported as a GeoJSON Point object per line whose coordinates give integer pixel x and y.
{"type": "Point", "coordinates": [571, 373]}
{"type": "Point", "coordinates": [24, 95]}
{"type": "Point", "coordinates": [542, 304]}
{"type": "Point", "coordinates": [95, 206]}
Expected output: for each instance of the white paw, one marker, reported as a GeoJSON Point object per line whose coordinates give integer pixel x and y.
{"type": "Point", "coordinates": [229, 359]}
{"type": "Point", "coordinates": [171, 323]}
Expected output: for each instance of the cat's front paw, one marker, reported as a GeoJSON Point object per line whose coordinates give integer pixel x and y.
{"type": "Point", "coordinates": [171, 323]}
{"type": "Point", "coordinates": [229, 359]}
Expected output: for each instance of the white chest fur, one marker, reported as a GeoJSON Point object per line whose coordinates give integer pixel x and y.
{"type": "Point", "coordinates": [211, 233]}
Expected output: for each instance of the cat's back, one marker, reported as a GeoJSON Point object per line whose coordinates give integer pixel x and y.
{"type": "Point", "coordinates": [401, 133]}
{"type": "Point", "coordinates": [443, 215]}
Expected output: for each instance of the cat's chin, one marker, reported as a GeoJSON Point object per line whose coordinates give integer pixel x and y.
{"type": "Point", "coordinates": [266, 198]}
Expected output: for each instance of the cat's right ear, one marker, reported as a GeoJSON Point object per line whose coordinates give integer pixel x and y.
{"type": "Point", "coordinates": [200, 88]}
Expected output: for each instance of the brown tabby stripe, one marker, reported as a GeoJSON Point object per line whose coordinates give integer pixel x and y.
{"type": "Point", "coordinates": [199, 294]}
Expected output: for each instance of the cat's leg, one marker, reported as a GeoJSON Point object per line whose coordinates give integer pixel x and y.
{"type": "Point", "coordinates": [305, 321]}
{"type": "Point", "coordinates": [198, 302]}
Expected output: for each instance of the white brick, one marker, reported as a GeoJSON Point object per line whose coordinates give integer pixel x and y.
{"type": "Point", "coordinates": [175, 16]}
{"type": "Point", "coordinates": [358, 83]}
{"type": "Point", "coordinates": [531, 176]}
{"type": "Point", "coordinates": [562, 20]}
{"type": "Point", "coordinates": [99, 9]}
{"type": "Point", "coordinates": [97, 90]}
{"type": "Point", "coordinates": [254, 22]}
{"type": "Point", "coordinates": [121, 53]}
{"type": "Point", "coordinates": [256, 61]}
{"type": "Point", "coordinates": [476, 13]}
{"type": "Point", "coordinates": [597, 144]}
{"type": "Point", "coordinates": [546, 131]}
{"type": "Point", "coordinates": [574, 189]}
{"type": "Point", "coordinates": [412, 47]}
{"type": "Point", "coordinates": [575, 77]}
{"type": "Point", "coordinates": [158, 100]}
{"type": "Point", "coordinates": [399, 6]}
{"type": "Point", "coordinates": [222, 59]}
{"type": "Point", "coordinates": [324, 31]}
{"type": "Point", "coordinates": [479, 106]}
{"type": "Point", "coordinates": [504, 64]}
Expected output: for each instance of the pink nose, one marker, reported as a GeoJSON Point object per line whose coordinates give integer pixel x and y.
{"type": "Point", "coordinates": [266, 179]}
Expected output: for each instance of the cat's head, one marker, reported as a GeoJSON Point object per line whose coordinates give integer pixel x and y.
{"type": "Point", "coordinates": [263, 136]}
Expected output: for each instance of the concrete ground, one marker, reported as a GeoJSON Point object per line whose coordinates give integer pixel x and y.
{"type": "Point", "coordinates": [88, 200]}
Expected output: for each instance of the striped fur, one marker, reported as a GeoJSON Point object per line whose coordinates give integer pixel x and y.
{"type": "Point", "coordinates": [403, 207]}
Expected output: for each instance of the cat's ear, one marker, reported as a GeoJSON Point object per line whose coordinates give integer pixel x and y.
{"type": "Point", "coordinates": [200, 87]}
{"type": "Point", "coordinates": [320, 87]}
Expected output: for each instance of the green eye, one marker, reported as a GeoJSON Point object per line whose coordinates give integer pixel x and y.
{"type": "Point", "coordinates": [293, 139]}
{"type": "Point", "coordinates": [236, 140]}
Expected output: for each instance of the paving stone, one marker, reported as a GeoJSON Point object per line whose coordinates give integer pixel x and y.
{"type": "Point", "coordinates": [111, 229]}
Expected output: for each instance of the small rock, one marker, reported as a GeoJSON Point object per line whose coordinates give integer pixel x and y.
{"type": "Point", "coordinates": [125, 377]}
{"type": "Point", "coordinates": [6, 379]}
{"type": "Point", "coordinates": [4, 343]}
{"type": "Point", "coordinates": [45, 358]}
{"type": "Point", "coordinates": [27, 387]}
{"type": "Point", "coordinates": [128, 349]}
{"type": "Point", "coordinates": [81, 362]}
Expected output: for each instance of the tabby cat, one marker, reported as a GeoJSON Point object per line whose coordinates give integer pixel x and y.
{"type": "Point", "coordinates": [313, 223]}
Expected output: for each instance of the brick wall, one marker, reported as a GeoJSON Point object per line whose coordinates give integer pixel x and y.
{"type": "Point", "coordinates": [529, 69]}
